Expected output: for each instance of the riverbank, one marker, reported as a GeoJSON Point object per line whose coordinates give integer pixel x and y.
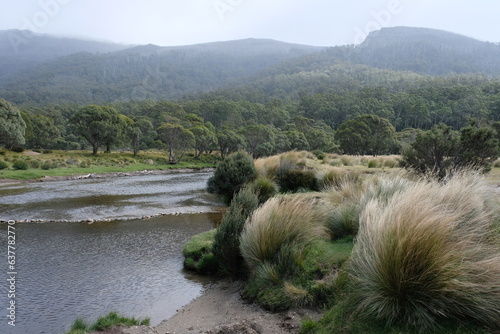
{"type": "Point", "coordinates": [48, 178]}
{"type": "Point", "coordinates": [221, 310]}
{"type": "Point", "coordinates": [60, 165]}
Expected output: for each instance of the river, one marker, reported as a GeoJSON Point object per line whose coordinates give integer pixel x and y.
{"type": "Point", "coordinates": [132, 266]}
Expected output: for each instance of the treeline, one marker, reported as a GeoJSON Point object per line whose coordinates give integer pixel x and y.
{"type": "Point", "coordinates": [367, 121]}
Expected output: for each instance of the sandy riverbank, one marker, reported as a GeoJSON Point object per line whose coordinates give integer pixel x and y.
{"type": "Point", "coordinates": [221, 310]}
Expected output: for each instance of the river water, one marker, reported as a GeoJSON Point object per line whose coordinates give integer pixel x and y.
{"type": "Point", "coordinates": [134, 267]}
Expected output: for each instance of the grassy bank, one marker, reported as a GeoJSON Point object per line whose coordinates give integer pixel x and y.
{"type": "Point", "coordinates": [380, 251]}
{"type": "Point", "coordinates": [35, 165]}
{"type": "Point", "coordinates": [103, 323]}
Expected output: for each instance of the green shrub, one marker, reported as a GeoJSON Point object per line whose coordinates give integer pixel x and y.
{"type": "Point", "coordinates": [3, 165]}
{"type": "Point", "coordinates": [424, 254]}
{"type": "Point", "coordinates": [231, 174]}
{"type": "Point", "coordinates": [292, 177]}
{"type": "Point", "coordinates": [226, 246]}
{"type": "Point", "coordinates": [17, 149]}
{"type": "Point", "coordinates": [20, 165]}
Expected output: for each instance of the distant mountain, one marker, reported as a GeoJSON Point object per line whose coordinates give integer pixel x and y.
{"type": "Point", "coordinates": [145, 72]}
{"type": "Point", "coordinates": [21, 49]}
{"type": "Point", "coordinates": [51, 70]}
{"type": "Point", "coordinates": [428, 51]}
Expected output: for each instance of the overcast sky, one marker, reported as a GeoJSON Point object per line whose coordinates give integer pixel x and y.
{"type": "Point", "coordinates": [183, 22]}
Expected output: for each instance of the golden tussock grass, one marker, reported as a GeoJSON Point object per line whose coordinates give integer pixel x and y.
{"type": "Point", "coordinates": [424, 252]}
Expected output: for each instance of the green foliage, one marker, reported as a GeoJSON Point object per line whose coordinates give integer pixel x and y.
{"type": "Point", "coordinates": [17, 149]}
{"type": "Point", "coordinates": [97, 125]}
{"type": "Point", "coordinates": [20, 165]}
{"type": "Point", "coordinates": [442, 151]}
{"type": "Point", "coordinates": [366, 134]}
{"type": "Point", "coordinates": [12, 125]}
{"type": "Point", "coordinates": [3, 165]}
{"type": "Point", "coordinates": [292, 177]}
{"type": "Point", "coordinates": [226, 246]}
{"type": "Point", "coordinates": [177, 139]}
{"type": "Point", "coordinates": [231, 174]}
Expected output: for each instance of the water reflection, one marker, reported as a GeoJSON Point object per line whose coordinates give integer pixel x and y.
{"type": "Point", "coordinates": [69, 270]}
{"type": "Point", "coordinates": [112, 198]}
{"type": "Point", "coordinates": [80, 270]}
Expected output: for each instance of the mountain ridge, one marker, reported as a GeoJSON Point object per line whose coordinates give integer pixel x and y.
{"type": "Point", "coordinates": [155, 72]}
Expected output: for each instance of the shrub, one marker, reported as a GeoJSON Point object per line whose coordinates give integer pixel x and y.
{"type": "Point", "coordinates": [20, 165]}
{"type": "Point", "coordinates": [291, 177]}
{"type": "Point", "coordinates": [3, 165]}
{"type": "Point", "coordinates": [425, 253]}
{"type": "Point", "coordinates": [231, 174]}
{"type": "Point", "coordinates": [226, 246]}
{"type": "Point", "coordinates": [17, 149]}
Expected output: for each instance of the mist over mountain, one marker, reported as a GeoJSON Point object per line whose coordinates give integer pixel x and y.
{"type": "Point", "coordinates": [47, 69]}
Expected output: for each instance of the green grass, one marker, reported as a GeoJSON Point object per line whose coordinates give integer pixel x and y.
{"type": "Point", "coordinates": [103, 323]}
{"type": "Point", "coordinates": [198, 254]}
{"type": "Point", "coordinates": [299, 275]}
{"type": "Point", "coordinates": [70, 163]}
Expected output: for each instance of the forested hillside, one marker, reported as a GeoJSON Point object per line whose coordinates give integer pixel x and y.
{"type": "Point", "coordinates": [22, 49]}
{"type": "Point", "coordinates": [145, 72]}
{"type": "Point", "coordinates": [257, 70]}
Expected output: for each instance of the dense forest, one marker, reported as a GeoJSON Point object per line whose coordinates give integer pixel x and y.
{"type": "Point", "coordinates": [260, 95]}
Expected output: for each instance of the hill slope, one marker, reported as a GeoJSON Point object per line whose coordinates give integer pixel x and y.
{"type": "Point", "coordinates": [253, 69]}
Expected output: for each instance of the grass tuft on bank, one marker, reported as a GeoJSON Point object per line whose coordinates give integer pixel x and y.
{"type": "Point", "coordinates": [112, 319]}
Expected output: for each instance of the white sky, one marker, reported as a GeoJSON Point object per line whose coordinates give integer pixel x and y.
{"type": "Point", "coordinates": [183, 22]}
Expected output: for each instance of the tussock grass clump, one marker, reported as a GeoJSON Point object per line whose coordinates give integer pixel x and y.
{"type": "Point", "coordinates": [424, 253]}
{"type": "Point", "coordinates": [198, 254]}
{"type": "Point", "coordinates": [281, 220]}
{"type": "Point", "coordinates": [264, 187]}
